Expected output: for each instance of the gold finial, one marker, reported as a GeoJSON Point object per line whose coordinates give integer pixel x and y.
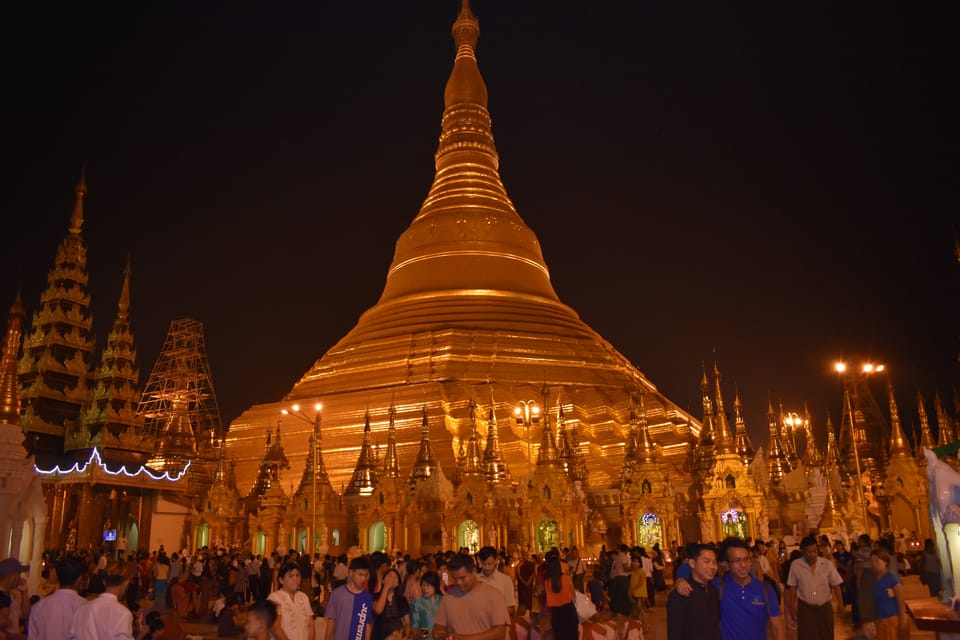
{"type": "Point", "coordinates": [899, 446]}
{"type": "Point", "coordinates": [76, 219]}
{"type": "Point", "coordinates": [123, 306]}
{"type": "Point", "coordinates": [466, 30]}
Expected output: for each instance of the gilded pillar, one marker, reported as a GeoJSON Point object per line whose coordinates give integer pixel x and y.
{"type": "Point", "coordinates": [87, 528]}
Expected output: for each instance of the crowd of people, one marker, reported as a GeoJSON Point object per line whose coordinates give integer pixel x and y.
{"type": "Point", "coordinates": [735, 590]}
{"type": "Point", "coordinates": [739, 590]}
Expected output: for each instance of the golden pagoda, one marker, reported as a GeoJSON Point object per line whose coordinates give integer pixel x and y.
{"type": "Point", "coordinates": [468, 310]}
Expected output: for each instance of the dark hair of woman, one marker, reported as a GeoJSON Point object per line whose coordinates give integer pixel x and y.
{"type": "Point", "coordinates": [554, 572]}
{"type": "Point", "coordinates": [432, 579]}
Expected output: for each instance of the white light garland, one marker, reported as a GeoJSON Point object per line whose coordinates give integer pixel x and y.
{"type": "Point", "coordinates": [79, 467]}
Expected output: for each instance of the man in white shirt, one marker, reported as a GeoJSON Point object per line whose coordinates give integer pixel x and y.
{"type": "Point", "coordinates": [51, 617]}
{"type": "Point", "coordinates": [105, 618]}
{"type": "Point", "coordinates": [491, 574]}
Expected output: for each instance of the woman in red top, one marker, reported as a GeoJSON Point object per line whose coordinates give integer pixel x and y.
{"type": "Point", "coordinates": [559, 590]}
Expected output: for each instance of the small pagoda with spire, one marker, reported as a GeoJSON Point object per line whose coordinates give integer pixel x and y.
{"type": "Point", "coordinates": [318, 510]}
{"type": "Point", "coordinates": [267, 503]}
{"type": "Point", "coordinates": [731, 502]}
{"type": "Point", "coordinates": [58, 350]}
{"type": "Point", "coordinates": [649, 503]}
{"type": "Point", "coordinates": [111, 418]}
{"type": "Point", "coordinates": [904, 498]}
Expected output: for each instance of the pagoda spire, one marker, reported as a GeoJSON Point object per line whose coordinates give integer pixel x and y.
{"type": "Point", "coordinates": [926, 436]}
{"type": "Point", "coordinates": [811, 454]}
{"type": "Point", "coordinates": [472, 460]}
{"type": "Point", "coordinates": [744, 447]}
{"type": "Point", "coordinates": [314, 467]}
{"type": "Point", "coordinates": [220, 474]}
{"type": "Point", "coordinates": [646, 452]}
{"type": "Point", "coordinates": [274, 459]}
{"type": "Point", "coordinates": [724, 441]}
{"type": "Point", "coordinates": [833, 455]}
{"type": "Point", "coordinates": [494, 467]}
{"type": "Point", "coordinates": [9, 385]}
{"type": "Point", "coordinates": [467, 224]}
{"type": "Point", "coordinates": [364, 478]}
{"type": "Point", "coordinates": [579, 472]}
{"type": "Point", "coordinates": [564, 450]}
{"type": "Point", "coordinates": [548, 454]}
{"type": "Point", "coordinates": [899, 445]}
{"type": "Point", "coordinates": [76, 218]}
{"type": "Point", "coordinates": [116, 392]}
{"type": "Point", "coordinates": [777, 461]}
{"type": "Point", "coordinates": [425, 465]}
{"type": "Point", "coordinates": [391, 465]}
{"type": "Point", "coordinates": [58, 351]}
{"type": "Point", "coordinates": [944, 422]}
{"type": "Point", "coordinates": [707, 435]}
{"type": "Point", "coordinates": [630, 444]}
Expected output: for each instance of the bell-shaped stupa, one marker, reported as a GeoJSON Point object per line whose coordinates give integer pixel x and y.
{"type": "Point", "coordinates": [467, 312]}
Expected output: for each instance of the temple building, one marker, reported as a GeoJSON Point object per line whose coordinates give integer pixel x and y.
{"type": "Point", "coordinates": [503, 418]}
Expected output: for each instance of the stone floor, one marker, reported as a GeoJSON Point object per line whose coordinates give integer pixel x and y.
{"type": "Point", "coordinates": [657, 619]}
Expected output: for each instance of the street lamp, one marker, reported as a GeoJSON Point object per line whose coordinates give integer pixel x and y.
{"type": "Point", "coordinates": [793, 421]}
{"type": "Point", "coordinates": [527, 412]}
{"type": "Point", "coordinates": [295, 411]}
{"type": "Point", "coordinates": [866, 369]}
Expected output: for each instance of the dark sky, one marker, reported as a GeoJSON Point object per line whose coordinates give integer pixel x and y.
{"type": "Point", "coordinates": [767, 186]}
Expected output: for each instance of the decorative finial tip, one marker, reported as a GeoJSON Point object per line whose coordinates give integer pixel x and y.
{"type": "Point", "coordinates": [466, 29]}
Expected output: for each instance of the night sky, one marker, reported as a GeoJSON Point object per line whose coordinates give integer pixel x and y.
{"type": "Point", "coordinates": [764, 186]}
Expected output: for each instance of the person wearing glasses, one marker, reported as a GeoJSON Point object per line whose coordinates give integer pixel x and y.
{"type": "Point", "coordinates": [749, 608]}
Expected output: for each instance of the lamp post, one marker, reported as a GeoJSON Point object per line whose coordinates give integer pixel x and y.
{"type": "Point", "coordinates": [295, 411]}
{"type": "Point", "coordinates": [793, 421]}
{"type": "Point", "coordinates": [866, 369]}
{"type": "Point", "coordinates": [527, 412]}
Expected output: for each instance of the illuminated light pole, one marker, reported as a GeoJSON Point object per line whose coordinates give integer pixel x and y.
{"type": "Point", "coordinates": [295, 411]}
{"type": "Point", "coordinates": [866, 369]}
{"type": "Point", "coordinates": [527, 412]}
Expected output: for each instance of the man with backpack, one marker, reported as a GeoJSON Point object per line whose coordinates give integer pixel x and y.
{"type": "Point", "coordinates": [748, 604]}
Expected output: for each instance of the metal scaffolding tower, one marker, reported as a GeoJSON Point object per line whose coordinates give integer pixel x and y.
{"type": "Point", "coordinates": [178, 403]}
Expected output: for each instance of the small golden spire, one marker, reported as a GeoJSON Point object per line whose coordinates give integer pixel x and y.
{"type": "Point", "coordinates": [364, 478]}
{"type": "Point", "coordinates": [744, 447]}
{"type": "Point", "coordinates": [812, 453]}
{"type": "Point", "coordinates": [494, 466]}
{"type": "Point", "coordinates": [76, 219]}
{"type": "Point", "coordinates": [777, 462]}
{"type": "Point", "coordinates": [724, 440]}
{"type": "Point", "coordinates": [391, 466]}
{"type": "Point", "coordinates": [646, 452]}
{"type": "Point", "coordinates": [123, 306]}
{"type": "Point", "coordinates": [426, 465]}
{"type": "Point", "coordinates": [926, 436]}
{"type": "Point", "coordinates": [899, 446]}
{"type": "Point", "coordinates": [944, 422]}
{"type": "Point", "coordinates": [9, 384]}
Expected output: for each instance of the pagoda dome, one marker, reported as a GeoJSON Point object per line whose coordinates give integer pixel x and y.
{"type": "Point", "coordinates": [467, 303]}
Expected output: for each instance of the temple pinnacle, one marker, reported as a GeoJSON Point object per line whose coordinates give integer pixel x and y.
{"type": "Point", "coordinates": [76, 219]}
{"type": "Point", "coordinates": [899, 446]}
{"type": "Point", "coordinates": [123, 306]}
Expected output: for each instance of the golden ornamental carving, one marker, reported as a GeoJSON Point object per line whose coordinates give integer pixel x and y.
{"type": "Point", "coordinates": [76, 365]}
{"type": "Point", "coordinates": [76, 393]}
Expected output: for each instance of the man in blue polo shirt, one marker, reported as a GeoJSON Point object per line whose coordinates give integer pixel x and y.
{"type": "Point", "coordinates": [746, 602]}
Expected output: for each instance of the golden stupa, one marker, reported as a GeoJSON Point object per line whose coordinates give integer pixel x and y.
{"type": "Point", "coordinates": [468, 314]}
